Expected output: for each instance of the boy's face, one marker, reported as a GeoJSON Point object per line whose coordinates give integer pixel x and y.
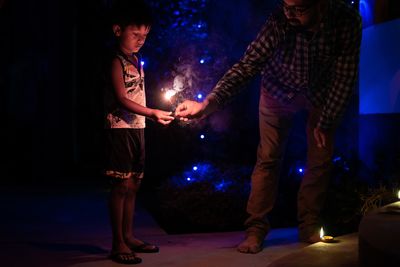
{"type": "Point", "coordinates": [132, 37]}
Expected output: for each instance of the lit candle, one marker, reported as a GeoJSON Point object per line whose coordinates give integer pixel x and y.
{"type": "Point", "coordinates": [325, 238]}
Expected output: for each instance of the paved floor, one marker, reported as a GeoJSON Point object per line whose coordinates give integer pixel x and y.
{"type": "Point", "coordinates": [70, 228]}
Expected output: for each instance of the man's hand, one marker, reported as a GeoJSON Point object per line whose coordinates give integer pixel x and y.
{"type": "Point", "coordinates": [190, 109]}
{"type": "Point", "coordinates": [163, 117]}
{"type": "Point", "coordinates": [320, 137]}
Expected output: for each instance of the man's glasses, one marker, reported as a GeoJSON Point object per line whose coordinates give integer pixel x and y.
{"type": "Point", "coordinates": [296, 11]}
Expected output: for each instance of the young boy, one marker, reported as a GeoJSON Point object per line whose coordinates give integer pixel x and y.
{"type": "Point", "coordinates": [126, 110]}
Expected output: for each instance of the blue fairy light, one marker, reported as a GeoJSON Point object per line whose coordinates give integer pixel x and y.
{"type": "Point", "coordinates": [195, 168]}
{"type": "Point", "coordinates": [220, 186]}
{"type": "Point", "coordinates": [202, 61]}
{"type": "Point", "coordinates": [337, 159]}
{"type": "Point", "coordinates": [300, 170]}
{"type": "Point", "coordinates": [202, 136]}
{"type": "Point", "coordinates": [142, 63]}
{"type": "Point", "coordinates": [199, 96]}
{"type": "Point", "coordinates": [188, 179]}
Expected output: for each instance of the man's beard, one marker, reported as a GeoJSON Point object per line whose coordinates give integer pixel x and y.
{"type": "Point", "coordinates": [296, 24]}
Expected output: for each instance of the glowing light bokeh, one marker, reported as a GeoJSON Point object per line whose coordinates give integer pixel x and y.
{"type": "Point", "coordinates": [365, 9]}
{"type": "Point", "coordinates": [169, 94]}
{"type": "Point", "coordinates": [379, 81]}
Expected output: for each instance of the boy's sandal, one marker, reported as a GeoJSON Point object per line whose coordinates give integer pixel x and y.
{"type": "Point", "coordinates": [145, 248]}
{"type": "Point", "coordinates": [125, 258]}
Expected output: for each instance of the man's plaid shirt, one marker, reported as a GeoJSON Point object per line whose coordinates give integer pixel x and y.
{"type": "Point", "coordinates": [323, 65]}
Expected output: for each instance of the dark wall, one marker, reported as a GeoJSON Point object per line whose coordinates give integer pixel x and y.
{"type": "Point", "coordinates": [38, 58]}
{"type": "Point", "coordinates": [379, 147]}
{"type": "Point", "coordinates": [385, 10]}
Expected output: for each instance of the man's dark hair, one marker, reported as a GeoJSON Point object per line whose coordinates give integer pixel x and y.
{"type": "Point", "coordinates": [131, 12]}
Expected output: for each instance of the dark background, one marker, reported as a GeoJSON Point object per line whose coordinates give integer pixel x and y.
{"type": "Point", "coordinates": [51, 78]}
{"type": "Point", "coordinates": [51, 55]}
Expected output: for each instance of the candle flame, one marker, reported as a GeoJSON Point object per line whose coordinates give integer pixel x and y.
{"type": "Point", "coordinates": [398, 194]}
{"type": "Point", "coordinates": [321, 233]}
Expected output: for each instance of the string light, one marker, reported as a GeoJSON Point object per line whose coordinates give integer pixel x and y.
{"type": "Point", "coordinates": [220, 187]}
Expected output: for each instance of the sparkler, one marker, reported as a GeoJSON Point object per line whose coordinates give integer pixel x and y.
{"type": "Point", "coordinates": [174, 95]}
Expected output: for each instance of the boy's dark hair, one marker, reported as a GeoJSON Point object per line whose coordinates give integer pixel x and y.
{"type": "Point", "coordinates": [131, 12]}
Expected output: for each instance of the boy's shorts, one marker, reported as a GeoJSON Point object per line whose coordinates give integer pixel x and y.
{"type": "Point", "coordinates": [124, 153]}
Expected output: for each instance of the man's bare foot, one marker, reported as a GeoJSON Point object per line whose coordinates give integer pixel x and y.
{"type": "Point", "coordinates": [252, 244]}
{"type": "Point", "coordinates": [309, 234]}
{"type": "Point", "coordinates": [314, 238]}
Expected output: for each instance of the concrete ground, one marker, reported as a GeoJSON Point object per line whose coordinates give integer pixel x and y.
{"type": "Point", "coordinates": [70, 228]}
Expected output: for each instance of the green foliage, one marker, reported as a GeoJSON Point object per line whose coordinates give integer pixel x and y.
{"type": "Point", "coordinates": [206, 203]}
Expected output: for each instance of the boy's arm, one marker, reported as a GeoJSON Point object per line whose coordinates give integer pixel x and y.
{"type": "Point", "coordinates": [120, 92]}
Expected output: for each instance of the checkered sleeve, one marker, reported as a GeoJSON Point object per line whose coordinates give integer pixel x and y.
{"type": "Point", "coordinates": [251, 63]}
{"type": "Point", "coordinates": [345, 76]}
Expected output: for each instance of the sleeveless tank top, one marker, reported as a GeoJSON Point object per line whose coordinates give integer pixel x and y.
{"type": "Point", "coordinates": [116, 115]}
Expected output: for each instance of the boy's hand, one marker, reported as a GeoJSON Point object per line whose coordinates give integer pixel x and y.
{"type": "Point", "coordinates": [163, 117]}
{"type": "Point", "coordinates": [189, 109]}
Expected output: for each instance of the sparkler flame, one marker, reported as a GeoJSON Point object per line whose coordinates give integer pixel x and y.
{"type": "Point", "coordinates": [169, 94]}
{"type": "Point", "coordinates": [178, 86]}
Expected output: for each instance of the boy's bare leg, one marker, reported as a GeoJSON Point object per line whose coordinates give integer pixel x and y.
{"type": "Point", "coordinates": [116, 206]}
{"type": "Point", "coordinates": [129, 211]}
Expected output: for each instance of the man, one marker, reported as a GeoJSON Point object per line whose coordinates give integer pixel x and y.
{"type": "Point", "coordinates": [308, 54]}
